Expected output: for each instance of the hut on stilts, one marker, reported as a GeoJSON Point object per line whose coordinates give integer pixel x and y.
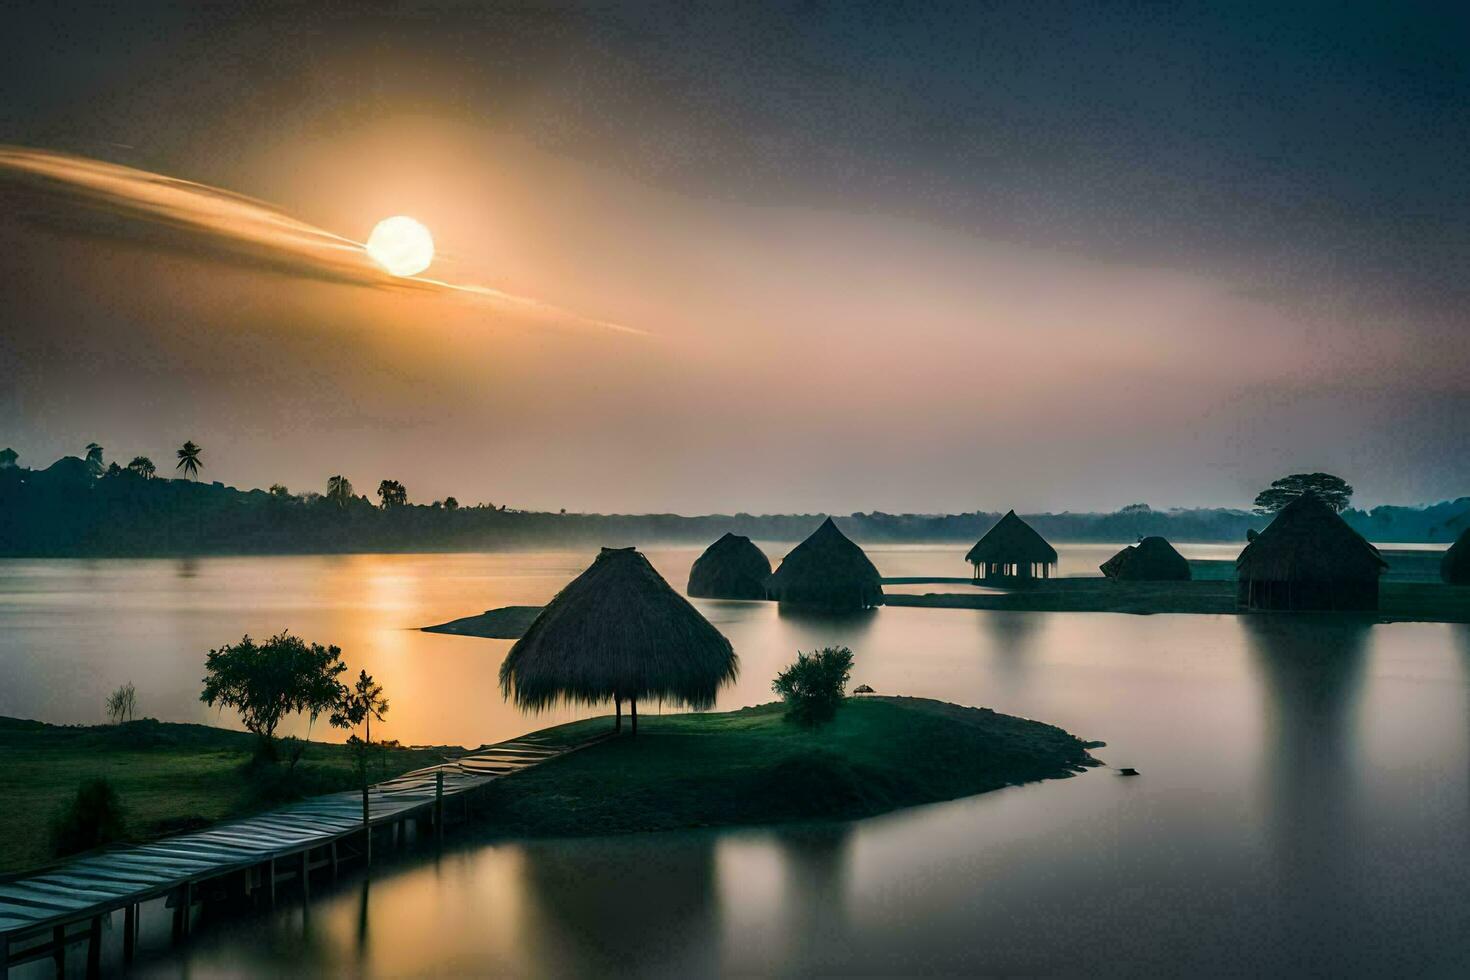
{"type": "Point", "coordinates": [1152, 559]}
{"type": "Point", "coordinates": [731, 568]}
{"type": "Point", "coordinates": [618, 632]}
{"type": "Point", "coordinates": [828, 571]}
{"type": "Point", "coordinates": [1012, 550]}
{"type": "Point", "coordinates": [1454, 567]}
{"type": "Point", "coordinates": [1308, 559]}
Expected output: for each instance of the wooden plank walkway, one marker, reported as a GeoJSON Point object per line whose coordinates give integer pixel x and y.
{"type": "Point", "coordinates": [39, 910]}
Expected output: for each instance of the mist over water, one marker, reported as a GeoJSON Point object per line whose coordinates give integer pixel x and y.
{"type": "Point", "coordinates": [1304, 794]}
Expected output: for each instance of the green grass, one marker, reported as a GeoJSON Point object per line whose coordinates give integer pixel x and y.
{"type": "Point", "coordinates": [169, 777]}
{"type": "Point", "coordinates": [754, 767]}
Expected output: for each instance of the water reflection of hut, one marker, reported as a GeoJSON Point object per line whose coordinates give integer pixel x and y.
{"type": "Point", "coordinates": [1309, 559]}
{"type": "Point", "coordinates": [829, 571]}
{"type": "Point", "coordinates": [618, 632]}
{"type": "Point", "coordinates": [1151, 560]}
{"type": "Point", "coordinates": [1454, 568]}
{"type": "Point", "coordinates": [1012, 550]}
{"type": "Point", "coordinates": [731, 568]}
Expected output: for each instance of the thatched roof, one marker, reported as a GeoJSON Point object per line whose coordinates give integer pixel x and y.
{"type": "Point", "coordinates": [618, 629]}
{"type": "Point", "coordinates": [827, 570]}
{"type": "Point", "coordinates": [731, 568]}
{"type": "Point", "coordinates": [1151, 560]}
{"type": "Point", "coordinates": [1309, 542]}
{"type": "Point", "coordinates": [1011, 540]}
{"type": "Point", "coordinates": [1454, 568]}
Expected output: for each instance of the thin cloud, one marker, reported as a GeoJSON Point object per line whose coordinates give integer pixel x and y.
{"type": "Point", "coordinates": [104, 199]}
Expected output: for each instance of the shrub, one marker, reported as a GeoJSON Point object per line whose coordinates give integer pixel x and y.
{"type": "Point", "coordinates": [122, 703]}
{"type": "Point", "coordinates": [815, 685]}
{"type": "Point", "coordinates": [93, 818]}
{"type": "Point", "coordinates": [264, 682]}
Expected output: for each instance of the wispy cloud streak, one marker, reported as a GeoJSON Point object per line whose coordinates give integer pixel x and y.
{"type": "Point", "coordinates": [108, 199]}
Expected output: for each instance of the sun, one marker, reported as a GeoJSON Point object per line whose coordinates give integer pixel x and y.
{"type": "Point", "coordinates": [401, 245]}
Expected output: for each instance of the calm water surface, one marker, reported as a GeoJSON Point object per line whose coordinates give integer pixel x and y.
{"type": "Point", "coordinates": [1304, 804]}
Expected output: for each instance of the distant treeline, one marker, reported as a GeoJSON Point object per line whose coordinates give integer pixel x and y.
{"type": "Point", "coordinates": [74, 509]}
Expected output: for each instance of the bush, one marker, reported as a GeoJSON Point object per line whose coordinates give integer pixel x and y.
{"type": "Point", "coordinates": [815, 685]}
{"type": "Point", "coordinates": [93, 818]}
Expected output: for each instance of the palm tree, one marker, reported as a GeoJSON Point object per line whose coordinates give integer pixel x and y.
{"type": "Point", "coordinates": [392, 494]}
{"type": "Point", "coordinates": [339, 490]}
{"type": "Point", "coordinates": [94, 458]}
{"type": "Point", "coordinates": [189, 459]}
{"type": "Point", "coordinates": [143, 466]}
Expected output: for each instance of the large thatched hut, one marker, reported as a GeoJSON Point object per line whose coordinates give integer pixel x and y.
{"type": "Point", "coordinates": [1151, 560]}
{"type": "Point", "coordinates": [731, 568]}
{"type": "Point", "coordinates": [829, 571]}
{"type": "Point", "coordinates": [1454, 568]}
{"type": "Point", "coordinates": [1012, 549]}
{"type": "Point", "coordinates": [1309, 559]}
{"type": "Point", "coordinates": [618, 632]}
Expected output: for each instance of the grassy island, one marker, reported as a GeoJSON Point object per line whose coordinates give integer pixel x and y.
{"type": "Point", "coordinates": [754, 767]}
{"type": "Point", "coordinates": [169, 777]}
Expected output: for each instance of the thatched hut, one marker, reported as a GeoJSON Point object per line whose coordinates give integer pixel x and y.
{"type": "Point", "coordinates": [618, 632]}
{"type": "Point", "coordinates": [1454, 568]}
{"type": "Point", "coordinates": [1012, 550]}
{"type": "Point", "coordinates": [1151, 560]}
{"type": "Point", "coordinates": [829, 571]}
{"type": "Point", "coordinates": [731, 568]}
{"type": "Point", "coordinates": [1309, 559]}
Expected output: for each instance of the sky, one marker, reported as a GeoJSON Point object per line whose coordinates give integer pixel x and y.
{"type": "Point", "coordinates": [814, 257]}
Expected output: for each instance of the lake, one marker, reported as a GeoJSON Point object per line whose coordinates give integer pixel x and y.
{"type": "Point", "coordinates": [1304, 803]}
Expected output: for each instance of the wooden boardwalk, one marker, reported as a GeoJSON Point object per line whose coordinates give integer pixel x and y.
{"type": "Point", "coordinates": [44, 912]}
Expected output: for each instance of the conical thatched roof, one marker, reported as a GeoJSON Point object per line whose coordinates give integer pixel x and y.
{"type": "Point", "coordinates": [1151, 560]}
{"type": "Point", "coordinates": [731, 568]}
{"type": "Point", "coordinates": [1454, 568]}
{"type": "Point", "coordinates": [618, 629]}
{"type": "Point", "coordinates": [827, 570]}
{"type": "Point", "coordinates": [1309, 542]}
{"type": "Point", "coordinates": [1011, 540]}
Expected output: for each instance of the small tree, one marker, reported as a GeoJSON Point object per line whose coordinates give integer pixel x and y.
{"type": "Point", "coordinates": [94, 459]}
{"type": "Point", "coordinates": [265, 682]}
{"type": "Point", "coordinates": [143, 466]}
{"type": "Point", "coordinates": [359, 705]}
{"type": "Point", "coordinates": [339, 490]}
{"type": "Point", "coordinates": [189, 460]}
{"type": "Point", "coordinates": [1331, 490]}
{"type": "Point", "coordinates": [451, 504]}
{"type": "Point", "coordinates": [814, 686]}
{"type": "Point", "coordinates": [122, 703]}
{"type": "Point", "coordinates": [279, 492]}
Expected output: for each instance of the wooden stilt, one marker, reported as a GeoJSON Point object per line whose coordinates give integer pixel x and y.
{"type": "Point", "coordinates": [334, 860]}
{"type": "Point", "coordinates": [306, 875]}
{"type": "Point", "coordinates": [617, 712]}
{"type": "Point", "coordinates": [270, 874]}
{"type": "Point", "coordinates": [439, 805]}
{"type": "Point", "coordinates": [94, 948]}
{"type": "Point", "coordinates": [187, 905]}
{"type": "Point", "coordinates": [130, 931]}
{"type": "Point", "coordinates": [633, 707]}
{"type": "Point", "coordinates": [367, 830]}
{"type": "Point", "coordinates": [58, 954]}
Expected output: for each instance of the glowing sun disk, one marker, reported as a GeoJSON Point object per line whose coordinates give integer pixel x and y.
{"type": "Point", "coordinates": [401, 245]}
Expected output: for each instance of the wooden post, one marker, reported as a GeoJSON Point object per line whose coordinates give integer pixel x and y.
{"type": "Point", "coordinates": [94, 948]}
{"type": "Point", "coordinates": [334, 860]}
{"type": "Point", "coordinates": [439, 804]}
{"type": "Point", "coordinates": [58, 954]}
{"type": "Point", "coordinates": [188, 903]}
{"type": "Point", "coordinates": [617, 712]}
{"type": "Point", "coordinates": [130, 930]}
{"type": "Point", "coordinates": [367, 829]}
{"type": "Point", "coordinates": [270, 872]}
{"type": "Point", "coordinates": [635, 715]}
{"type": "Point", "coordinates": [306, 875]}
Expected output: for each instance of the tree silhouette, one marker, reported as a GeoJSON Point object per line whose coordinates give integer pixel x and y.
{"type": "Point", "coordinates": [94, 458]}
{"type": "Point", "coordinates": [359, 705]}
{"type": "Point", "coordinates": [1331, 490]}
{"type": "Point", "coordinates": [339, 490]}
{"type": "Point", "coordinates": [189, 459]}
{"type": "Point", "coordinates": [278, 491]}
{"type": "Point", "coordinates": [266, 681]}
{"type": "Point", "coordinates": [143, 466]}
{"type": "Point", "coordinates": [392, 493]}
{"type": "Point", "coordinates": [451, 504]}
